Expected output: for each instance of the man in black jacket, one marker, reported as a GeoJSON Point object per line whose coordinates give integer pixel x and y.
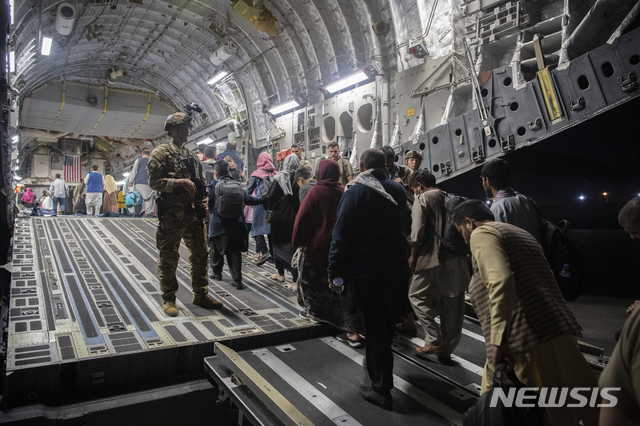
{"type": "Point", "coordinates": [369, 253]}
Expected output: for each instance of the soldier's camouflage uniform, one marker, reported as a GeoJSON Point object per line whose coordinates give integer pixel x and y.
{"type": "Point", "coordinates": [180, 219]}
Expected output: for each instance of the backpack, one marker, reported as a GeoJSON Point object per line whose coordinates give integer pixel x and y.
{"type": "Point", "coordinates": [132, 199]}
{"type": "Point", "coordinates": [560, 251]}
{"type": "Point", "coordinates": [451, 240]}
{"type": "Point", "coordinates": [208, 172]}
{"type": "Point", "coordinates": [267, 183]}
{"type": "Point", "coordinates": [229, 198]}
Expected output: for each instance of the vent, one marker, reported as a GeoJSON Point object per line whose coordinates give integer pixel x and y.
{"type": "Point", "coordinates": [381, 28]}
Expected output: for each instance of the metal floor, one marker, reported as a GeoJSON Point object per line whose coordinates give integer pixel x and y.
{"type": "Point", "coordinates": [86, 310]}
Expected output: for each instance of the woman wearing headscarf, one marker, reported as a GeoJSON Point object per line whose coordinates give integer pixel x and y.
{"type": "Point", "coordinates": [68, 201]}
{"type": "Point", "coordinates": [110, 203]}
{"type": "Point", "coordinates": [284, 202]}
{"type": "Point", "coordinates": [312, 231]}
{"type": "Point", "coordinates": [260, 227]}
{"type": "Point", "coordinates": [28, 198]}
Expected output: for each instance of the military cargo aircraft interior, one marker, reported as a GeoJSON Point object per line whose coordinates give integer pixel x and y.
{"type": "Point", "coordinates": [296, 212]}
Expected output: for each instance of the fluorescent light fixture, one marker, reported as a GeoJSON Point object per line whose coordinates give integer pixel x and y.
{"type": "Point", "coordinates": [120, 182]}
{"type": "Point", "coordinates": [126, 174]}
{"type": "Point", "coordinates": [16, 177]}
{"type": "Point", "coordinates": [46, 46]}
{"type": "Point", "coordinates": [17, 160]}
{"type": "Point", "coordinates": [204, 141]}
{"type": "Point", "coordinates": [346, 82]}
{"type": "Point", "coordinates": [219, 76]}
{"type": "Point", "coordinates": [11, 6]}
{"type": "Point", "coordinates": [15, 139]}
{"type": "Point", "coordinates": [283, 107]}
{"type": "Point", "coordinates": [12, 61]}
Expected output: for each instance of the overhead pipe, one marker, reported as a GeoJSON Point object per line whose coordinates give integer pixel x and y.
{"type": "Point", "coordinates": [65, 18]}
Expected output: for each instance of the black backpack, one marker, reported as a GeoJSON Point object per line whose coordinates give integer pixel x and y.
{"type": "Point", "coordinates": [560, 251]}
{"type": "Point", "coordinates": [229, 198]}
{"type": "Point", "coordinates": [208, 172]}
{"type": "Point", "coordinates": [450, 238]}
{"type": "Point", "coordinates": [267, 183]}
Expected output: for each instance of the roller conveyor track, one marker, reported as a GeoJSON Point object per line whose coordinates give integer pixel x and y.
{"type": "Point", "coordinates": [86, 310]}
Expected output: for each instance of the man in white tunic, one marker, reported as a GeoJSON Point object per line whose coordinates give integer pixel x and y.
{"type": "Point", "coordinates": [95, 182]}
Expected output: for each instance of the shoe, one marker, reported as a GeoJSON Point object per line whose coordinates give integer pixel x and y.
{"type": "Point", "coordinates": [278, 277]}
{"type": "Point", "coordinates": [215, 277]}
{"type": "Point", "coordinates": [237, 285]}
{"type": "Point", "coordinates": [170, 309]}
{"type": "Point", "coordinates": [402, 329]}
{"type": "Point", "coordinates": [255, 257]}
{"type": "Point", "coordinates": [207, 302]}
{"type": "Point", "coordinates": [264, 258]}
{"type": "Point", "coordinates": [445, 359]}
{"type": "Point", "coordinates": [357, 344]}
{"type": "Point", "coordinates": [429, 350]}
{"type": "Point", "coordinates": [385, 402]}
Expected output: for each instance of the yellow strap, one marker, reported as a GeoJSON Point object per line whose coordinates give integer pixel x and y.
{"type": "Point", "coordinates": [64, 90]}
{"type": "Point", "coordinates": [549, 95]}
{"type": "Point", "coordinates": [106, 98]}
{"type": "Point", "coordinates": [145, 119]}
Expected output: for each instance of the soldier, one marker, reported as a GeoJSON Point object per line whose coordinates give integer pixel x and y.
{"type": "Point", "coordinates": [176, 174]}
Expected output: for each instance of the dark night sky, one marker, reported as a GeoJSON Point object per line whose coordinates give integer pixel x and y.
{"type": "Point", "coordinates": [599, 155]}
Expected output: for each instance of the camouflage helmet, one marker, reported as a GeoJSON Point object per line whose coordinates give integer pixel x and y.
{"type": "Point", "coordinates": [176, 118]}
{"type": "Point", "coordinates": [413, 154]}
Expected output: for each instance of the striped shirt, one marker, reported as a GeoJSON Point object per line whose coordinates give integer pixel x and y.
{"type": "Point", "coordinates": [513, 290]}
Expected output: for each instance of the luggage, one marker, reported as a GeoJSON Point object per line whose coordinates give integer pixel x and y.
{"type": "Point", "coordinates": [229, 198]}
{"type": "Point", "coordinates": [81, 206]}
{"type": "Point", "coordinates": [482, 414]}
{"type": "Point", "coordinates": [450, 238]}
{"type": "Point", "coordinates": [208, 172]}
{"type": "Point", "coordinates": [133, 199]}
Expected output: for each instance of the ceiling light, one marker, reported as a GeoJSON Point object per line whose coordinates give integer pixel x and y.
{"type": "Point", "coordinates": [346, 82]}
{"type": "Point", "coordinates": [16, 177]}
{"type": "Point", "coordinates": [275, 110]}
{"type": "Point", "coordinates": [219, 76]}
{"type": "Point", "coordinates": [11, 6]}
{"type": "Point", "coordinates": [126, 174]}
{"type": "Point", "coordinates": [15, 139]}
{"type": "Point", "coordinates": [46, 46]}
{"type": "Point", "coordinates": [12, 61]}
{"type": "Point", "coordinates": [204, 141]}
{"type": "Point", "coordinates": [120, 182]}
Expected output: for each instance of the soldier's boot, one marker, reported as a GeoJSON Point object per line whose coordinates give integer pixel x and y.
{"type": "Point", "coordinates": [206, 301]}
{"type": "Point", "coordinates": [170, 308]}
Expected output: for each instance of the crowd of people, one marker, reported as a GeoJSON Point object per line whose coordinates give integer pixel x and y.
{"type": "Point", "coordinates": [367, 253]}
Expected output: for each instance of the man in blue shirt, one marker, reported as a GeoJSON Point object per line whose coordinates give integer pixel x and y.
{"type": "Point", "coordinates": [231, 152]}
{"type": "Point", "coordinates": [95, 182]}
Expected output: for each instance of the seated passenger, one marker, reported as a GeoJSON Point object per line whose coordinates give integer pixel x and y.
{"type": "Point", "coordinates": [525, 321]}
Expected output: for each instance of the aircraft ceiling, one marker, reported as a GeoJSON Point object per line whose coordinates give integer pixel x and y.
{"type": "Point", "coordinates": [164, 47]}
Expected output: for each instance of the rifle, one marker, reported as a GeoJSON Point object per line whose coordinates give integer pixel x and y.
{"type": "Point", "coordinates": [201, 190]}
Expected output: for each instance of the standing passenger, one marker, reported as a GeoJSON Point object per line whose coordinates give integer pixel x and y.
{"type": "Point", "coordinates": [95, 182]}
{"type": "Point", "coordinates": [346, 169]}
{"type": "Point", "coordinates": [440, 278]}
{"type": "Point", "coordinates": [283, 200]}
{"type": "Point", "coordinates": [525, 321]}
{"type": "Point", "coordinates": [369, 252]}
{"type": "Point", "coordinates": [110, 195]}
{"type": "Point", "coordinates": [58, 191]}
{"type": "Point", "coordinates": [176, 174]}
{"type": "Point", "coordinates": [139, 179]}
{"type": "Point", "coordinates": [260, 227]}
{"type": "Point", "coordinates": [509, 206]}
{"type": "Point", "coordinates": [312, 231]}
